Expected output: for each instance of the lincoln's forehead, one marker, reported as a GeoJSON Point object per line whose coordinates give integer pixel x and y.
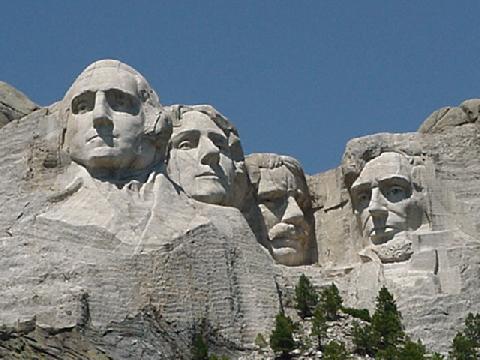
{"type": "Point", "coordinates": [105, 79]}
{"type": "Point", "coordinates": [384, 166]}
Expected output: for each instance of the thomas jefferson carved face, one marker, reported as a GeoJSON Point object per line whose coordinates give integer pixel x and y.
{"type": "Point", "coordinates": [200, 160]}
{"type": "Point", "coordinates": [106, 121]}
{"type": "Point", "coordinates": [385, 199]}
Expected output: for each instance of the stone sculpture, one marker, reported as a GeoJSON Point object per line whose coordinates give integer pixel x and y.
{"type": "Point", "coordinates": [205, 157]}
{"type": "Point", "coordinates": [111, 224]}
{"type": "Point", "coordinates": [113, 123]}
{"type": "Point", "coordinates": [284, 202]}
{"type": "Point", "coordinates": [385, 198]}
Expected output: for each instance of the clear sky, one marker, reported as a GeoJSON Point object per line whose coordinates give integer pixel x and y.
{"type": "Point", "coordinates": [297, 77]}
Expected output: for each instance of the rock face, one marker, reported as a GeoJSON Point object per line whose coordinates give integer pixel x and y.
{"type": "Point", "coordinates": [13, 104]}
{"type": "Point", "coordinates": [128, 227]}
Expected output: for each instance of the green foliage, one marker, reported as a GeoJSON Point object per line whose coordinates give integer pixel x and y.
{"type": "Point", "coordinates": [388, 353]}
{"type": "Point", "coordinates": [319, 325]}
{"type": "Point", "coordinates": [412, 351]}
{"type": "Point", "coordinates": [387, 321]}
{"type": "Point", "coordinates": [361, 314]}
{"type": "Point", "coordinates": [331, 301]}
{"type": "Point", "coordinates": [260, 341]}
{"type": "Point", "coordinates": [215, 357]}
{"type": "Point", "coordinates": [436, 356]}
{"type": "Point", "coordinates": [363, 339]}
{"type": "Point", "coordinates": [305, 297]}
{"type": "Point", "coordinates": [199, 348]}
{"type": "Point", "coordinates": [472, 328]}
{"type": "Point", "coordinates": [281, 339]}
{"type": "Point", "coordinates": [463, 348]}
{"type": "Point", "coordinates": [335, 351]}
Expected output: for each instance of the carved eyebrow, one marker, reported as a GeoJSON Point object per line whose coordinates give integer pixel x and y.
{"type": "Point", "coordinates": [403, 180]}
{"type": "Point", "coordinates": [186, 134]}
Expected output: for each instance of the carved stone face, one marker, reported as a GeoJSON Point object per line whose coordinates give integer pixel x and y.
{"type": "Point", "coordinates": [106, 121]}
{"type": "Point", "coordinates": [200, 160]}
{"type": "Point", "coordinates": [384, 198]}
{"type": "Point", "coordinates": [282, 198]}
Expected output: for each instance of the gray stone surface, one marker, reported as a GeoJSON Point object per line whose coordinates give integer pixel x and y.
{"type": "Point", "coordinates": [108, 251]}
{"type": "Point", "coordinates": [13, 104]}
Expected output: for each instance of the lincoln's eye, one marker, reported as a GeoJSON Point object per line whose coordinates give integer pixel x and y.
{"type": "Point", "coordinates": [395, 193]}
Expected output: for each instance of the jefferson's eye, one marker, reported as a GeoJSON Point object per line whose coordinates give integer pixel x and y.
{"type": "Point", "coordinates": [185, 145]}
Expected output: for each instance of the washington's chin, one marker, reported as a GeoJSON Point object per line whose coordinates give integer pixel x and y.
{"type": "Point", "coordinates": [384, 234]}
{"type": "Point", "coordinates": [288, 254]}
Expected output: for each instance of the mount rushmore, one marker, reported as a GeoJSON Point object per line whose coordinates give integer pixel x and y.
{"type": "Point", "coordinates": [127, 226]}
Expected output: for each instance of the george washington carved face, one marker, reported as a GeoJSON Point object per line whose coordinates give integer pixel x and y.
{"type": "Point", "coordinates": [106, 118]}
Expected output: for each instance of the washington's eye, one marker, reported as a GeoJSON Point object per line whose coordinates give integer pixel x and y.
{"type": "Point", "coordinates": [121, 101]}
{"type": "Point", "coordinates": [220, 142]}
{"type": "Point", "coordinates": [83, 103]}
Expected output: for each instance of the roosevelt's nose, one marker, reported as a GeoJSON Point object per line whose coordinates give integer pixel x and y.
{"type": "Point", "coordinates": [102, 110]}
{"type": "Point", "coordinates": [293, 214]}
{"type": "Point", "coordinates": [377, 207]}
{"type": "Point", "coordinates": [209, 152]}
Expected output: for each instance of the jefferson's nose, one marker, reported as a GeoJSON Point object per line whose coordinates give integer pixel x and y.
{"type": "Point", "coordinates": [293, 214]}
{"type": "Point", "coordinates": [209, 153]}
{"type": "Point", "coordinates": [377, 207]}
{"type": "Point", "coordinates": [101, 111]}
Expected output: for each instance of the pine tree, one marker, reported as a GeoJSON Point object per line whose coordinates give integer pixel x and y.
{"type": "Point", "coordinates": [363, 339]}
{"type": "Point", "coordinates": [463, 348]}
{"type": "Point", "coordinates": [412, 351]}
{"type": "Point", "coordinates": [335, 351]}
{"type": "Point", "coordinates": [319, 325]}
{"type": "Point", "coordinates": [281, 339]}
{"type": "Point", "coordinates": [200, 348]}
{"type": "Point", "coordinates": [331, 301]}
{"type": "Point", "coordinates": [472, 328]}
{"type": "Point", "coordinates": [305, 297]}
{"type": "Point", "coordinates": [387, 321]}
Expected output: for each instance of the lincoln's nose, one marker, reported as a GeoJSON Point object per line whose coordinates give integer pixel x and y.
{"type": "Point", "coordinates": [377, 207]}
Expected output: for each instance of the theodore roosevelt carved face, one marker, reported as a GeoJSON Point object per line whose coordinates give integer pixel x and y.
{"type": "Point", "coordinates": [283, 199]}
{"type": "Point", "coordinates": [106, 118]}
{"type": "Point", "coordinates": [200, 159]}
{"type": "Point", "coordinates": [386, 200]}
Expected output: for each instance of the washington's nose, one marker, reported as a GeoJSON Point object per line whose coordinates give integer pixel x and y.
{"type": "Point", "coordinates": [376, 207]}
{"type": "Point", "coordinates": [209, 153]}
{"type": "Point", "coordinates": [101, 111]}
{"type": "Point", "coordinates": [293, 214]}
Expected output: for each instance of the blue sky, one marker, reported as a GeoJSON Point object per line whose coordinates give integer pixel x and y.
{"type": "Point", "coordinates": [297, 77]}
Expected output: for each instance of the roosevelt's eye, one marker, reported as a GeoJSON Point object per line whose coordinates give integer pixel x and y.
{"type": "Point", "coordinates": [362, 199]}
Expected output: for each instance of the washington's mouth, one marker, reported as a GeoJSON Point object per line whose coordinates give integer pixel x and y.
{"type": "Point", "coordinates": [207, 175]}
{"type": "Point", "coordinates": [103, 137]}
